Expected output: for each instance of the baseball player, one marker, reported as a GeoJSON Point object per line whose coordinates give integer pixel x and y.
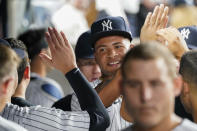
{"type": "Point", "coordinates": [8, 78]}
{"type": "Point", "coordinates": [150, 84]}
{"type": "Point", "coordinates": [23, 71]}
{"type": "Point", "coordinates": [94, 117]}
{"type": "Point", "coordinates": [189, 34]}
{"type": "Point", "coordinates": [188, 72]}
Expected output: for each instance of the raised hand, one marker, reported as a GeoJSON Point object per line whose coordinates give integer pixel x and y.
{"type": "Point", "coordinates": [62, 55]}
{"type": "Point", "coordinates": [172, 38]}
{"type": "Point", "coordinates": [153, 22]}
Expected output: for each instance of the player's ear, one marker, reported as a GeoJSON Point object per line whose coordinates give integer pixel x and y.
{"type": "Point", "coordinates": [177, 85]}
{"type": "Point", "coordinates": [131, 45]}
{"type": "Point", "coordinates": [26, 74]}
{"type": "Point", "coordinates": [5, 85]}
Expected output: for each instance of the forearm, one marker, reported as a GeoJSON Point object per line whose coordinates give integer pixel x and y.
{"type": "Point", "coordinates": [88, 99]}
{"type": "Point", "coordinates": [109, 93]}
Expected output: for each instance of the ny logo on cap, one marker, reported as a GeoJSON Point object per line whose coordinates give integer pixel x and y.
{"type": "Point", "coordinates": [107, 25]}
{"type": "Point", "coordinates": [185, 33]}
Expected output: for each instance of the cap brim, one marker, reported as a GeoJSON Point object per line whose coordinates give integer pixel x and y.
{"type": "Point", "coordinates": [99, 35]}
{"type": "Point", "coordinates": [85, 57]}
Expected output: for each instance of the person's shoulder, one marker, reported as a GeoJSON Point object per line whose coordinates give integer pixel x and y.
{"type": "Point", "coordinates": [186, 125]}
{"type": "Point", "coordinates": [6, 125]}
{"type": "Point", "coordinates": [52, 82]}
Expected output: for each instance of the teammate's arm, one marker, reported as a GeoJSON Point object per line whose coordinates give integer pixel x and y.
{"type": "Point", "coordinates": [111, 91]}
{"type": "Point", "coordinates": [63, 58]}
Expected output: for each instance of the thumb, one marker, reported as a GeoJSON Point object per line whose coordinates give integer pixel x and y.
{"type": "Point", "coordinates": [46, 59]}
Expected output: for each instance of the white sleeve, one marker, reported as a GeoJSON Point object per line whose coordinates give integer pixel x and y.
{"type": "Point", "coordinates": [37, 118]}
{"type": "Point", "coordinates": [75, 106]}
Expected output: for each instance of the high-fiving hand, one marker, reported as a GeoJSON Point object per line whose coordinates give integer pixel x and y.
{"type": "Point", "coordinates": [172, 39]}
{"type": "Point", "coordinates": [62, 55]}
{"type": "Point", "coordinates": [153, 22]}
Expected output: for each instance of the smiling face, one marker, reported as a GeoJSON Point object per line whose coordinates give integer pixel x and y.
{"type": "Point", "coordinates": [109, 52]}
{"type": "Point", "coordinates": [148, 92]}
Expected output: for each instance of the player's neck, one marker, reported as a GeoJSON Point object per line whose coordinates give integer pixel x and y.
{"type": "Point", "coordinates": [38, 67]}
{"type": "Point", "coordinates": [167, 124]}
{"type": "Point", "coordinates": [3, 102]}
{"type": "Point", "coordinates": [21, 89]}
{"type": "Point", "coordinates": [107, 78]}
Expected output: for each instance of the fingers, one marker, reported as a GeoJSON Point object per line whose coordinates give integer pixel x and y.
{"type": "Point", "coordinates": [53, 38]}
{"type": "Point", "coordinates": [162, 33]}
{"type": "Point", "coordinates": [50, 42]}
{"type": "Point", "coordinates": [46, 59]}
{"type": "Point", "coordinates": [159, 16]}
{"type": "Point", "coordinates": [147, 20]}
{"type": "Point", "coordinates": [165, 23]}
{"type": "Point", "coordinates": [164, 18]}
{"type": "Point", "coordinates": [58, 37]}
{"type": "Point", "coordinates": [154, 15]}
{"type": "Point", "coordinates": [65, 40]}
{"type": "Point", "coordinates": [169, 34]}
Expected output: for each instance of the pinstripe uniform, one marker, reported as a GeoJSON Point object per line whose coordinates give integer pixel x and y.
{"type": "Point", "coordinates": [38, 118]}
{"type": "Point", "coordinates": [117, 123]}
{"type": "Point", "coordinates": [6, 125]}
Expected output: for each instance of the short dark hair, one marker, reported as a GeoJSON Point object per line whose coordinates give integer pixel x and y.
{"type": "Point", "coordinates": [34, 40]}
{"type": "Point", "coordinates": [188, 67]}
{"type": "Point", "coordinates": [14, 43]}
{"type": "Point", "coordinates": [150, 51]}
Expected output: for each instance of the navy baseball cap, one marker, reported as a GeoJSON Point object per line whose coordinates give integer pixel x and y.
{"type": "Point", "coordinates": [189, 33]}
{"type": "Point", "coordinates": [19, 52]}
{"type": "Point", "coordinates": [182, 2]}
{"type": "Point", "coordinates": [83, 47]}
{"type": "Point", "coordinates": [109, 26]}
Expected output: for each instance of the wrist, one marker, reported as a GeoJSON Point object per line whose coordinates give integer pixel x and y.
{"type": "Point", "coordinates": [68, 69]}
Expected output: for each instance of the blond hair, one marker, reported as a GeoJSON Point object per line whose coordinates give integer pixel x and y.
{"type": "Point", "coordinates": [9, 61]}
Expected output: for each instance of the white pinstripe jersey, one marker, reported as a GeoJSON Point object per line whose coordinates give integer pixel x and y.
{"type": "Point", "coordinates": [37, 118]}
{"type": "Point", "coordinates": [117, 123]}
{"type": "Point", "coordinates": [6, 125]}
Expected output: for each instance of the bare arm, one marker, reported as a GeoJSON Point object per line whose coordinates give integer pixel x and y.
{"type": "Point", "coordinates": [111, 91]}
